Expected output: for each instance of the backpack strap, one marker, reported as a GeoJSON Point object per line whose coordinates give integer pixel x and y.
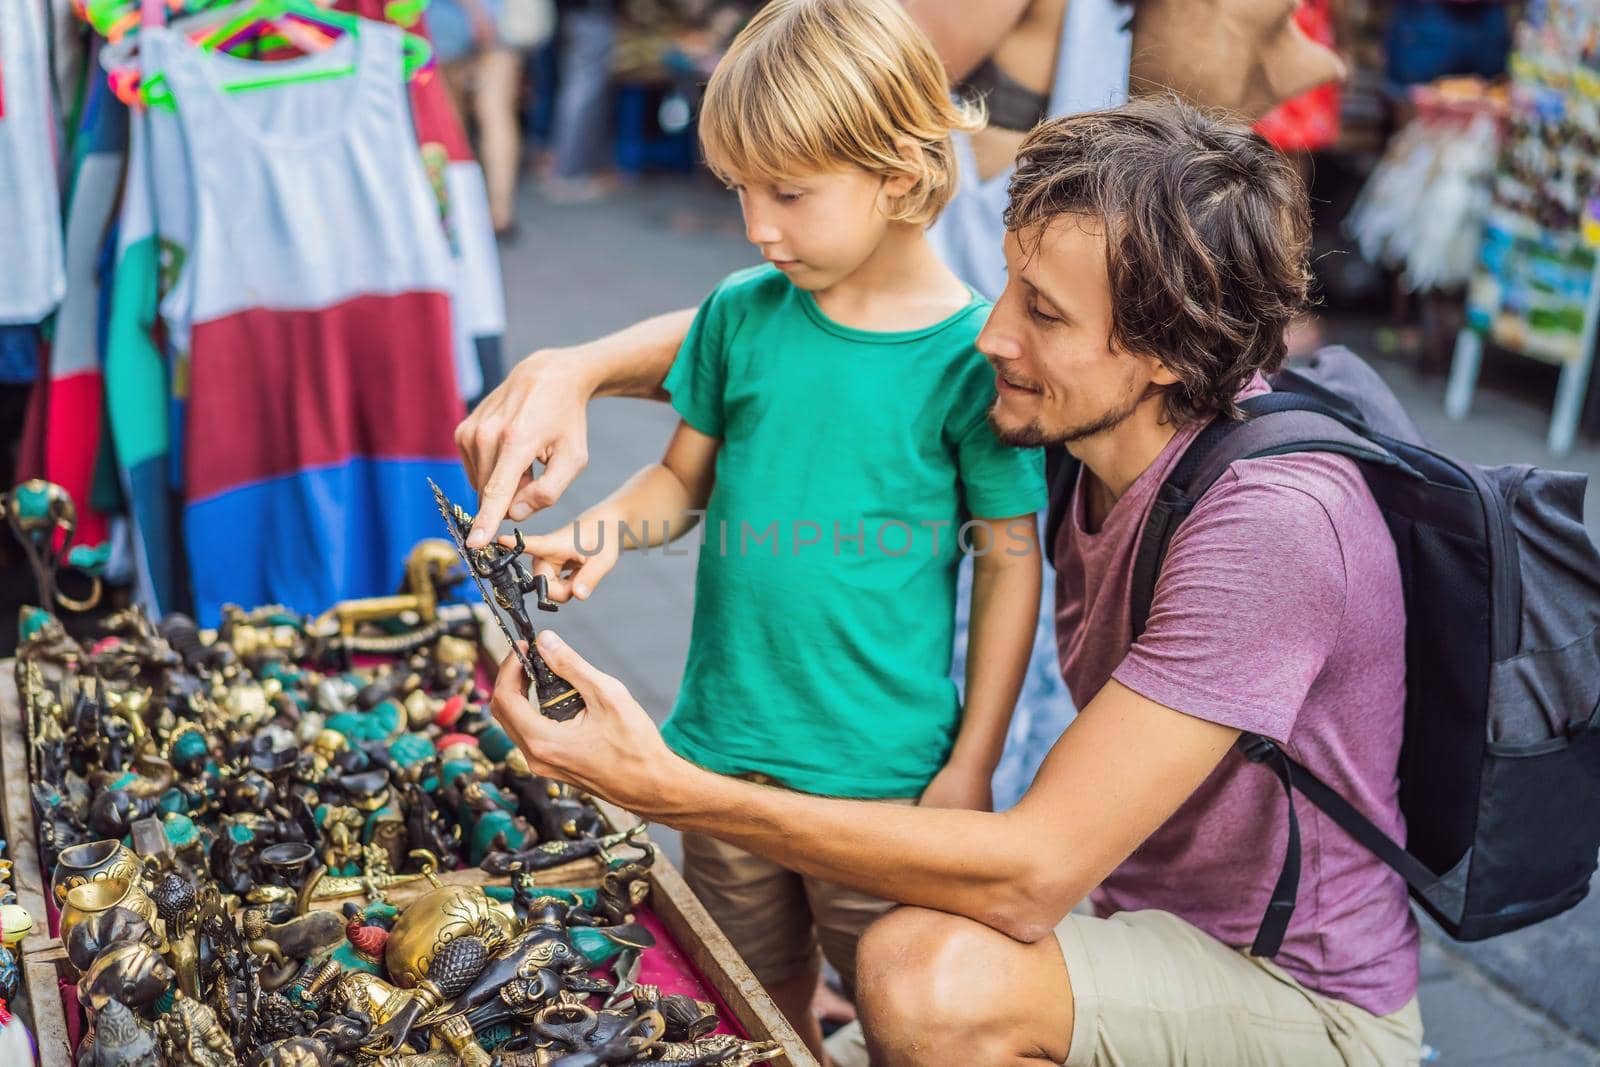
{"type": "Point", "coordinates": [1294, 775]}
{"type": "Point", "coordinates": [1061, 475]}
{"type": "Point", "coordinates": [1277, 423]}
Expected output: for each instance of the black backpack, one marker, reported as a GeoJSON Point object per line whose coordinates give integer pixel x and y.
{"type": "Point", "coordinates": [1500, 762]}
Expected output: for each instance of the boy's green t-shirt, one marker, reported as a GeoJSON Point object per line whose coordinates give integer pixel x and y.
{"type": "Point", "coordinates": [825, 597]}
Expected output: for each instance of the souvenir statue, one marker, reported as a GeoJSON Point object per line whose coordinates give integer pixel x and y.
{"type": "Point", "coordinates": [505, 583]}
{"type": "Point", "coordinates": [293, 1052]}
{"type": "Point", "coordinates": [190, 1035]}
{"type": "Point", "coordinates": [119, 1039]}
{"type": "Point", "coordinates": [685, 1018]}
{"type": "Point", "coordinates": [114, 926]}
{"type": "Point", "coordinates": [91, 862]}
{"type": "Point", "coordinates": [43, 518]}
{"type": "Point", "coordinates": [502, 861]}
{"type": "Point", "coordinates": [719, 1050]}
{"type": "Point", "coordinates": [131, 973]}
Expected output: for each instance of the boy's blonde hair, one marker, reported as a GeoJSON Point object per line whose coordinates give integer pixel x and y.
{"type": "Point", "coordinates": [815, 85]}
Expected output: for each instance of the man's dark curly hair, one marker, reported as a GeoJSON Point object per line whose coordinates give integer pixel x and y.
{"type": "Point", "coordinates": [1206, 229]}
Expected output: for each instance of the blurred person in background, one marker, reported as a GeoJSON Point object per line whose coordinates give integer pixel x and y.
{"type": "Point", "coordinates": [580, 140]}
{"type": "Point", "coordinates": [482, 47]}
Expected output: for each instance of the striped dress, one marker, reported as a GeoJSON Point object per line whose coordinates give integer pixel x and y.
{"type": "Point", "coordinates": [307, 303]}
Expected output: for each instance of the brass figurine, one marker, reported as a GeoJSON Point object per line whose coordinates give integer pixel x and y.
{"type": "Point", "coordinates": [508, 585]}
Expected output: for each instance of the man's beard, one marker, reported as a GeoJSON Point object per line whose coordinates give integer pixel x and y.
{"type": "Point", "coordinates": [1034, 434]}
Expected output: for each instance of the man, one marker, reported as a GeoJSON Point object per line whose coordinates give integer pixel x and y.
{"type": "Point", "coordinates": [1155, 258]}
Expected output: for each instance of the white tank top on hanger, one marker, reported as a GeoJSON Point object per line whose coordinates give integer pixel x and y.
{"type": "Point", "coordinates": [307, 193]}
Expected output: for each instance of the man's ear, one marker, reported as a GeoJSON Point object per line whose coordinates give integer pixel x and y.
{"type": "Point", "coordinates": [1160, 374]}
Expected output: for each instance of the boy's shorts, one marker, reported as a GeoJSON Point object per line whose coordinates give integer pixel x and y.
{"type": "Point", "coordinates": [1149, 988]}
{"type": "Point", "coordinates": [776, 918]}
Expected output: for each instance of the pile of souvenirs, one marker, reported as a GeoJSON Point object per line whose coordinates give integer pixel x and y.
{"type": "Point", "coordinates": [292, 841]}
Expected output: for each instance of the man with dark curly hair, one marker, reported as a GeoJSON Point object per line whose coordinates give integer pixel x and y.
{"type": "Point", "coordinates": [1155, 257]}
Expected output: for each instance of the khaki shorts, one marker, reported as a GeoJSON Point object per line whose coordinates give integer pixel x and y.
{"type": "Point", "coordinates": [1148, 988]}
{"type": "Point", "coordinates": [778, 919]}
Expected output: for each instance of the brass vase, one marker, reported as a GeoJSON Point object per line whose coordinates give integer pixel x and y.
{"type": "Point", "coordinates": [103, 894]}
{"type": "Point", "coordinates": [89, 862]}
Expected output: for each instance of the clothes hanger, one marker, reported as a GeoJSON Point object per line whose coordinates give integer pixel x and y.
{"type": "Point", "coordinates": [286, 21]}
{"type": "Point", "coordinates": [118, 20]}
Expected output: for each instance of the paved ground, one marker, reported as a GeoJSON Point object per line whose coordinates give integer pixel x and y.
{"type": "Point", "coordinates": [581, 270]}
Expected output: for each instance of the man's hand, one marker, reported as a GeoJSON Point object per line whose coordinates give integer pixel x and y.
{"type": "Point", "coordinates": [538, 414]}
{"type": "Point", "coordinates": [611, 749]}
{"type": "Point", "coordinates": [573, 558]}
{"type": "Point", "coordinates": [957, 786]}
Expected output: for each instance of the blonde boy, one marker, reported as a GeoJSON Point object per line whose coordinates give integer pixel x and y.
{"type": "Point", "coordinates": [835, 441]}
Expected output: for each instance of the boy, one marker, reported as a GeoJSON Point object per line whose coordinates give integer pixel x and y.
{"type": "Point", "coordinates": [834, 439]}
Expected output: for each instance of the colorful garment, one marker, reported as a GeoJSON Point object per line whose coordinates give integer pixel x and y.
{"type": "Point", "coordinates": [30, 191]}
{"type": "Point", "coordinates": [478, 298]}
{"type": "Point", "coordinates": [318, 392]}
{"type": "Point", "coordinates": [74, 410]}
{"type": "Point", "coordinates": [148, 317]}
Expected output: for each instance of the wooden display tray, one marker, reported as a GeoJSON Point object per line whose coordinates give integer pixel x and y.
{"type": "Point", "coordinates": [44, 960]}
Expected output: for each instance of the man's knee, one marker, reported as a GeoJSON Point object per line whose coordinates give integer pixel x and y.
{"type": "Point", "coordinates": [916, 970]}
{"type": "Point", "coordinates": [932, 983]}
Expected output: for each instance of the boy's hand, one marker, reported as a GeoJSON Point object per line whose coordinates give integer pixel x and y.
{"type": "Point", "coordinates": [958, 786]}
{"type": "Point", "coordinates": [573, 561]}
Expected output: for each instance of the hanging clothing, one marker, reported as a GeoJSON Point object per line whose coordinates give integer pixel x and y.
{"type": "Point", "coordinates": [1310, 121]}
{"type": "Point", "coordinates": [146, 332]}
{"type": "Point", "coordinates": [30, 191]}
{"type": "Point", "coordinates": [73, 411]}
{"type": "Point", "coordinates": [478, 298]}
{"type": "Point", "coordinates": [19, 355]}
{"type": "Point", "coordinates": [318, 393]}
{"type": "Point", "coordinates": [1091, 72]}
{"type": "Point", "coordinates": [478, 302]}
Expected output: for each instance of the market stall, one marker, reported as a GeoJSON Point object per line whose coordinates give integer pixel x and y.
{"type": "Point", "coordinates": [298, 839]}
{"type": "Point", "coordinates": [1536, 290]}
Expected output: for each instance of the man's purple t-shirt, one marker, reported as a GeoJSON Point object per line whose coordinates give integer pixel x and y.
{"type": "Point", "coordinates": [1278, 611]}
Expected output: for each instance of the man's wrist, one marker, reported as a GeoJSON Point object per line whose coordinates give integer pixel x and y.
{"type": "Point", "coordinates": [672, 790]}
{"type": "Point", "coordinates": [573, 363]}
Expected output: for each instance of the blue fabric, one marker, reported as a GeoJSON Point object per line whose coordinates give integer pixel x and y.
{"type": "Point", "coordinates": [19, 355]}
{"type": "Point", "coordinates": [154, 511]}
{"type": "Point", "coordinates": [1429, 39]}
{"type": "Point", "coordinates": [314, 537]}
{"type": "Point", "coordinates": [451, 27]}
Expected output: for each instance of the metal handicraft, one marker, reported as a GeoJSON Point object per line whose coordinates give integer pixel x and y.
{"type": "Point", "coordinates": [505, 584]}
{"type": "Point", "coordinates": [270, 846]}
